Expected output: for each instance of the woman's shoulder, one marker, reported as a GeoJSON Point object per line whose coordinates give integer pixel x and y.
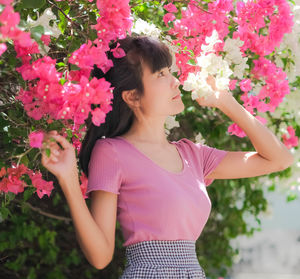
{"type": "Point", "coordinates": [105, 145]}
{"type": "Point", "coordinates": [187, 143]}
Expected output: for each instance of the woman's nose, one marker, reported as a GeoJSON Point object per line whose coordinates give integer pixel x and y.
{"type": "Point", "coordinates": [176, 82]}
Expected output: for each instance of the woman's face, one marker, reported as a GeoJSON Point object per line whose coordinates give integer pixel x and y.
{"type": "Point", "coordinates": [160, 89]}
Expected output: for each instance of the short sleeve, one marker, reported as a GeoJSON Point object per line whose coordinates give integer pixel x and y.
{"type": "Point", "coordinates": [204, 157]}
{"type": "Point", "coordinates": [104, 168]}
{"type": "Point", "coordinates": [210, 158]}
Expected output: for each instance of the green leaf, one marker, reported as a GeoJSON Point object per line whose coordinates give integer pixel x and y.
{"type": "Point", "coordinates": [73, 67]}
{"type": "Point", "coordinates": [61, 64]}
{"type": "Point", "coordinates": [62, 81]}
{"type": "Point", "coordinates": [37, 32]}
{"type": "Point", "coordinates": [62, 25]}
{"type": "Point", "coordinates": [272, 188]}
{"type": "Point", "coordinates": [33, 3]}
{"type": "Point", "coordinates": [4, 212]}
{"type": "Point", "coordinates": [69, 132]}
{"type": "Point", "coordinates": [24, 160]}
{"type": "Point", "coordinates": [191, 62]}
{"type": "Point", "coordinates": [291, 197]}
{"type": "Point", "coordinates": [48, 152]}
{"type": "Point", "coordinates": [56, 199]}
{"type": "Point", "coordinates": [75, 44]}
{"type": "Point", "coordinates": [12, 60]}
{"type": "Point", "coordinates": [28, 193]}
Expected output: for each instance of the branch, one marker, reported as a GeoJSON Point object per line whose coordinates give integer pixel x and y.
{"type": "Point", "coordinates": [40, 211]}
{"type": "Point", "coordinates": [69, 19]}
{"type": "Point", "coordinates": [199, 7]}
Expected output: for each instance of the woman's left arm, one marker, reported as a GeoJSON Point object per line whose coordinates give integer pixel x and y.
{"type": "Point", "coordinates": [271, 154]}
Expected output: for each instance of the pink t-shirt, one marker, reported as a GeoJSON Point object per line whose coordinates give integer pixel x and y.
{"type": "Point", "coordinates": [154, 203]}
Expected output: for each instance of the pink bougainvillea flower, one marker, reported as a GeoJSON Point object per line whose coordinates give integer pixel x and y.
{"type": "Point", "coordinates": [171, 8]}
{"type": "Point", "coordinates": [15, 185]}
{"type": "Point", "coordinates": [290, 140]}
{"type": "Point", "coordinates": [26, 46]}
{"type": "Point", "coordinates": [3, 48]}
{"type": "Point", "coordinates": [261, 119]}
{"type": "Point", "coordinates": [46, 39]}
{"type": "Point", "coordinates": [42, 186]}
{"type": "Point", "coordinates": [9, 18]}
{"type": "Point", "coordinates": [168, 17]}
{"type": "Point", "coordinates": [276, 87]}
{"type": "Point", "coordinates": [118, 52]}
{"type": "Point", "coordinates": [83, 185]}
{"type": "Point", "coordinates": [12, 182]}
{"type": "Point", "coordinates": [98, 116]}
{"type": "Point", "coordinates": [245, 85]}
{"type": "Point", "coordinates": [232, 84]}
{"type": "Point", "coordinates": [234, 129]}
{"type": "Point", "coordinates": [2, 172]}
{"type": "Point", "coordinates": [5, 2]}
{"type": "Point", "coordinates": [36, 139]}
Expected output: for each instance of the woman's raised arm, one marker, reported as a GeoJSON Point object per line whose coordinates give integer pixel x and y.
{"type": "Point", "coordinates": [271, 154]}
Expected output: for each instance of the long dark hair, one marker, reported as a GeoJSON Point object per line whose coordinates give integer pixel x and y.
{"type": "Point", "coordinates": [126, 74]}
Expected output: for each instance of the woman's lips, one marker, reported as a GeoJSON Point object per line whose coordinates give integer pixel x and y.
{"type": "Point", "coordinates": [176, 97]}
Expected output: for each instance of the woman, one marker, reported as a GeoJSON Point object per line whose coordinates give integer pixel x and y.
{"type": "Point", "coordinates": [156, 188]}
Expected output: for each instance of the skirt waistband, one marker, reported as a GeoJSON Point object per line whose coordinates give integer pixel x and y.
{"type": "Point", "coordinates": [171, 253]}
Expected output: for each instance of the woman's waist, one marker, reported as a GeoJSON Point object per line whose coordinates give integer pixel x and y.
{"type": "Point", "coordinates": [174, 253]}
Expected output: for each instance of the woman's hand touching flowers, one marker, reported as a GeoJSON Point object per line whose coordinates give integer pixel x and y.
{"type": "Point", "coordinates": [61, 162]}
{"type": "Point", "coordinates": [216, 98]}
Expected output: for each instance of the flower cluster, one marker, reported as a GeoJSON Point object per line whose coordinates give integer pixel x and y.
{"type": "Point", "coordinates": [261, 26]}
{"type": "Point", "coordinates": [48, 95]}
{"type": "Point", "coordinates": [251, 19]}
{"type": "Point", "coordinates": [11, 181]}
{"type": "Point", "coordinates": [290, 140]}
{"type": "Point", "coordinates": [114, 21]}
{"type": "Point", "coordinates": [73, 99]}
{"type": "Point", "coordinates": [210, 64]}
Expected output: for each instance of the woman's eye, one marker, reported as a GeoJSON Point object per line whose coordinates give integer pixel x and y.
{"type": "Point", "coordinates": [162, 72]}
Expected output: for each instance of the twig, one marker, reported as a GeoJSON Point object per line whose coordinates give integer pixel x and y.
{"type": "Point", "coordinates": [199, 7]}
{"type": "Point", "coordinates": [69, 19]}
{"type": "Point", "coordinates": [42, 212]}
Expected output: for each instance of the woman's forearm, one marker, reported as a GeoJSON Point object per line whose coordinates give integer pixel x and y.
{"type": "Point", "coordinates": [90, 237]}
{"type": "Point", "coordinates": [264, 141]}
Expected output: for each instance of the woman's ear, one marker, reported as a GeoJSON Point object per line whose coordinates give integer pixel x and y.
{"type": "Point", "coordinates": [131, 98]}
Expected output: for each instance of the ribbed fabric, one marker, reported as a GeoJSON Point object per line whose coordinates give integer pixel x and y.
{"type": "Point", "coordinates": [162, 259]}
{"type": "Point", "coordinates": [154, 203]}
{"type": "Point", "coordinates": [104, 168]}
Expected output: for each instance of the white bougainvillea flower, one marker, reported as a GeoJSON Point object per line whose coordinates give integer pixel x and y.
{"type": "Point", "coordinates": [198, 85]}
{"type": "Point", "coordinates": [234, 56]}
{"type": "Point", "coordinates": [211, 41]}
{"type": "Point", "coordinates": [199, 138]}
{"type": "Point", "coordinates": [143, 27]}
{"type": "Point", "coordinates": [44, 20]}
{"type": "Point", "coordinates": [170, 123]}
{"type": "Point", "coordinates": [239, 69]}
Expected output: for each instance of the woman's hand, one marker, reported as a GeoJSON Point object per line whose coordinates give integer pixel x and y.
{"type": "Point", "coordinates": [62, 162]}
{"type": "Point", "coordinates": [217, 98]}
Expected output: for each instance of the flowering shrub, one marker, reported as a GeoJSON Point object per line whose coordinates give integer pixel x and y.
{"type": "Point", "coordinates": [47, 51]}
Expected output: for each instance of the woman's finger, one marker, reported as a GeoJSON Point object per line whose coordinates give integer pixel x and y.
{"type": "Point", "coordinates": [62, 140]}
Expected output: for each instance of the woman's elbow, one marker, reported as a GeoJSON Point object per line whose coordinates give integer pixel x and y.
{"type": "Point", "coordinates": [102, 265]}
{"type": "Point", "coordinates": [287, 161]}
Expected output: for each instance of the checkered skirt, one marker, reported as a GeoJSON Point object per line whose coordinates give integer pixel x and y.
{"type": "Point", "coordinates": [162, 259]}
